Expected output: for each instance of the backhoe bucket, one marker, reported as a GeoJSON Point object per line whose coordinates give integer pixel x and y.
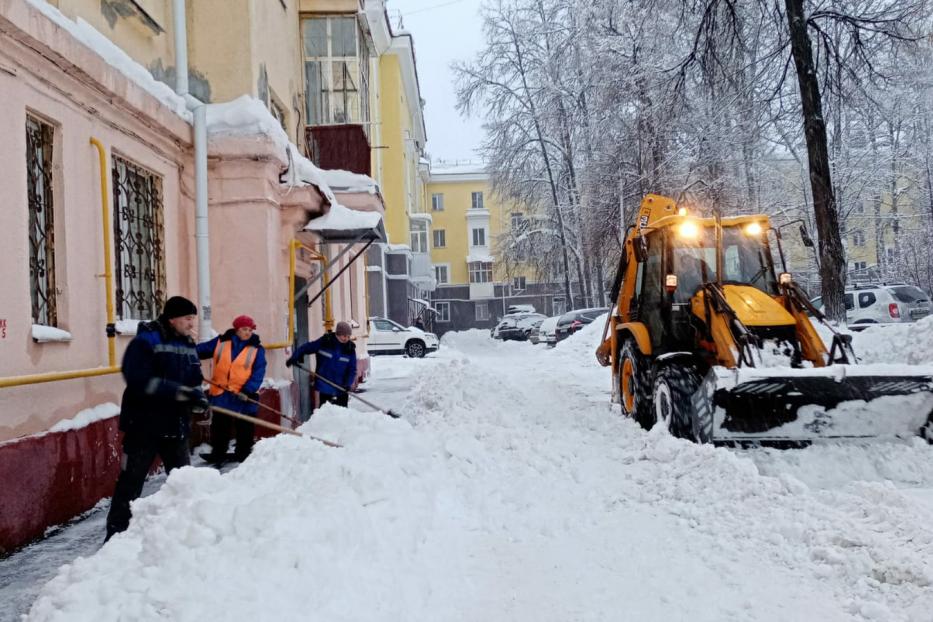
{"type": "Point", "coordinates": [787, 406]}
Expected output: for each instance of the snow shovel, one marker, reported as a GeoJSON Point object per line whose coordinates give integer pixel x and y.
{"type": "Point", "coordinates": [387, 411]}
{"type": "Point", "coordinates": [265, 424]}
{"type": "Point", "coordinates": [294, 421]}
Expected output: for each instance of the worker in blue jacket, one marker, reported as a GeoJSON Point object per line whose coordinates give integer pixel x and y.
{"type": "Point", "coordinates": [335, 361]}
{"type": "Point", "coordinates": [163, 389]}
{"type": "Point", "coordinates": [238, 371]}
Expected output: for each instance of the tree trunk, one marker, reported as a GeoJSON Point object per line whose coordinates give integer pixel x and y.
{"type": "Point", "coordinates": [832, 256]}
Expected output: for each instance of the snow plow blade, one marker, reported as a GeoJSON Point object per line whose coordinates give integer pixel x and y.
{"type": "Point", "coordinates": [751, 406]}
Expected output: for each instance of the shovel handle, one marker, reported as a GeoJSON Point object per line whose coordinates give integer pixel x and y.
{"type": "Point", "coordinates": [265, 424]}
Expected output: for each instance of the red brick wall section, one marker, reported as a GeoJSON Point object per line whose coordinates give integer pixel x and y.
{"type": "Point", "coordinates": [49, 479]}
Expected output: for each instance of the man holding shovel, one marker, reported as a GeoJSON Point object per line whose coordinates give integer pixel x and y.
{"type": "Point", "coordinates": [239, 367]}
{"type": "Point", "coordinates": [335, 362]}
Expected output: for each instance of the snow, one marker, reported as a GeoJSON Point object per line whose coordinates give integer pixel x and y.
{"type": "Point", "coordinates": [116, 57]}
{"type": "Point", "coordinates": [127, 327]}
{"type": "Point", "coordinates": [511, 489]}
{"type": "Point", "coordinates": [479, 256]}
{"type": "Point", "coordinates": [345, 181]}
{"type": "Point", "coordinates": [45, 334]}
{"type": "Point", "coordinates": [245, 116]}
{"type": "Point", "coordinates": [277, 383]}
{"type": "Point", "coordinates": [340, 218]}
{"type": "Point", "coordinates": [910, 343]}
{"type": "Point", "coordinates": [87, 417]}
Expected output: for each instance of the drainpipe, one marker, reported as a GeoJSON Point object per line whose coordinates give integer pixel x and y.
{"type": "Point", "coordinates": [201, 234]}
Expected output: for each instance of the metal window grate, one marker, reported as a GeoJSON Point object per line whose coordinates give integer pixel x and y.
{"type": "Point", "coordinates": [138, 242]}
{"type": "Point", "coordinates": [39, 137]}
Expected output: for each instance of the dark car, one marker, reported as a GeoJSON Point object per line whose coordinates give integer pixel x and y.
{"type": "Point", "coordinates": [572, 321]}
{"type": "Point", "coordinates": [518, 326]}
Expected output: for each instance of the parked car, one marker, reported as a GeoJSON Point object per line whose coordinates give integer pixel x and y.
{"type": "Point", "coordinates": [388, 337]}
{"type": "Point", "coordinates": [572, 321]}
{"type": "Point", "coordinates": [546, 327]}
{"type": "Point", "coordinates": [883, 304]}
{"type": "Point", "coordinates": [518, 326]}
{"type": "Point", "coordinates": [513, 309]}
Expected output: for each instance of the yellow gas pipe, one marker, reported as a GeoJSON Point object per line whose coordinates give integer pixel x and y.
{"type": "Point", "coordinates": [112, 367]}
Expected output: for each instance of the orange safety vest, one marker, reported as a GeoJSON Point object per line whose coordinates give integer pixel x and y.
{"type": "Point", "coordinates": [231, 374]}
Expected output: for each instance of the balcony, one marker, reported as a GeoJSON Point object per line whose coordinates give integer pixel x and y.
{"type": "Point", "coordinates": [343, 147]}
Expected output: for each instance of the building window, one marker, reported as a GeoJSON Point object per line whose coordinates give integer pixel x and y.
{"type": "Point", "coordinates": [858, 266]}
{"type": "Point", "coordinates": [336, 60]}
{"type": "Point", "coordinates": [441, 275]}
{"type": "Point", "coordinates": [39, 137]}
{"type": "Point", "coordinates": [419, 236]}
{"type": "Point", "coordinates": [437, 202]}
{"type": "Point", "coordinates": [518, 283]}
{"type": "Point", "coordinates": [482, 311]}
{"type": "Point", "coordinates": [890, 254]}
{"type": "Point", "coordinates": [443, 311]}
{"type": "Point", "coordinates": [858, 238]}
{"type": "Point", "coordinates": [559, 305]}
{"type": "Point", "coordinates": [518, 221]}
{"type": "Point", "coordinates": [137, 227]}
{"type": "Point", "coordinates": [440, 238]}
{"type": "Point", "coordinates": [477, 200]}
{"type": "Point", "coordinates": [479, 237]}
{"type": "Point", "coordinates": [480, 271]}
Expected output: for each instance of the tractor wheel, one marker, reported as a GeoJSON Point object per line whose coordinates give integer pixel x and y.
{"type": "Point", "coordinates": [634, 384]}
{"type": "Point", "coordinates": [672, 405]}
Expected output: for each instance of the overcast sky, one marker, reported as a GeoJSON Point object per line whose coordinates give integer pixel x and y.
{"type": "Point", "coordinates": [444, 31]}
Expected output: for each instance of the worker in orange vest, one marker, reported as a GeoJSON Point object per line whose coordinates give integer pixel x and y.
{"type": "Point", "coordinates": [239, 368]}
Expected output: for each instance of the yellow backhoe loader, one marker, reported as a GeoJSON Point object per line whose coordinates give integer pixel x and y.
{"type": "Point", "coordinates": [705, 338]}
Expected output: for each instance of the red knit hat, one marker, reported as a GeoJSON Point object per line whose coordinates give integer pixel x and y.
{"type": "Point", "coordinates": [244, 321]}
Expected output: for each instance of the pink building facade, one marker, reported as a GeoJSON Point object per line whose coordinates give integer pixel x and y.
{"type": "Point", "coordinates": [59, 98]}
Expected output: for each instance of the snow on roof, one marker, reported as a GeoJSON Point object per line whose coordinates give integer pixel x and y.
{"type": "Point", "coordinates": [398, 248]}
{"type": "Point", "coordinates": [484, 257]}
{"type": "Point", "coordinates": [115, 57]}
{"type": "Point", "coordinates": [340, 218]}
{"type": "Point", "coordinates": [245, 116]}
{"type": "Point", "coordinates": [345, 181]}
{"type": "Point", "coordinates": [458, 168]}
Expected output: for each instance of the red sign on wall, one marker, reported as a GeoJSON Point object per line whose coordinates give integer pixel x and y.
{"type": "Point", "coordinates": [2, 329]}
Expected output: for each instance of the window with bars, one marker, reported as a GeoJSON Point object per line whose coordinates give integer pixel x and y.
{"type": "Point", "coordinates": [39, 153]}
{"type": "Point", "coordinates": [336, 61]}
{"type": "Point", "coordinates": [479, 237]}
{"type": "Point", "coordinates": [437, 202]}
{"type": "Point", "coordinates": [440, 238]}
{"type": "Point", "coordinates": [480, 271]}
{"type": "Point", "coordinates": [138, 241]}
{"type": "Point", "coordinates": [441, 274]}
{"type": "Point", "coordinates": [477, 200]}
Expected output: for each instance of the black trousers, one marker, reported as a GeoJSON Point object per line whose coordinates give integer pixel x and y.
{"type": "Point", "coordinates": [138, 456]}
{"type": "Point", "coordinates": [341, 399]}
{"type": "Point", "coordinates": [220, 437]}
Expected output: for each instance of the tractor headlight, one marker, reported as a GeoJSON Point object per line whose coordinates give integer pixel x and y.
{"type": "Point", "coordinates": [688, 230]}
{"type": "Point", "coordinates": [785, 278]}
{"type": "Point", "coordinates": [753, 229]}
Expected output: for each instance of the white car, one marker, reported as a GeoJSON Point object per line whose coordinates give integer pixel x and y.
{"type": "Point", "coordinates": [546, 332]}
{"type": "Point", "coordinates": [883, 304]}
{"type": "Point", "coordinates": [387, 337]}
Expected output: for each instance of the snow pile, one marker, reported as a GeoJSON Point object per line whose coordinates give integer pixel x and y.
{"type": "Point", "coordinates": [340, 218]}
{"type": "Point", "coordinates": [512, 490]}
{"type": "Point", "coordinates": [45, 334]}
{"type": "Point", "coordinates": [116, 57]}
{"type": "Point", "coordinates": [245, 116]}
{"type": "Point", "coordinates": [87, 417]}
{"type": "Point", "coordinates": [345, 181]}
{"type": "Point", "coordinates": [910, 343]}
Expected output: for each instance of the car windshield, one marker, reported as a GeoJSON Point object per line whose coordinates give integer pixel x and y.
{"type": "Point", "coordinates": [908, 294]}
{"type": "Point", "coordinates": [745, 261]}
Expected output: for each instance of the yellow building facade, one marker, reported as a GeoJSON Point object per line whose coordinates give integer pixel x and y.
{"type": "Point", "coordinates": [475, 287]}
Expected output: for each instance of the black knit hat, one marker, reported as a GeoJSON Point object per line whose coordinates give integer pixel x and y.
{"type": "Point", "coordinates": [178, 306]}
